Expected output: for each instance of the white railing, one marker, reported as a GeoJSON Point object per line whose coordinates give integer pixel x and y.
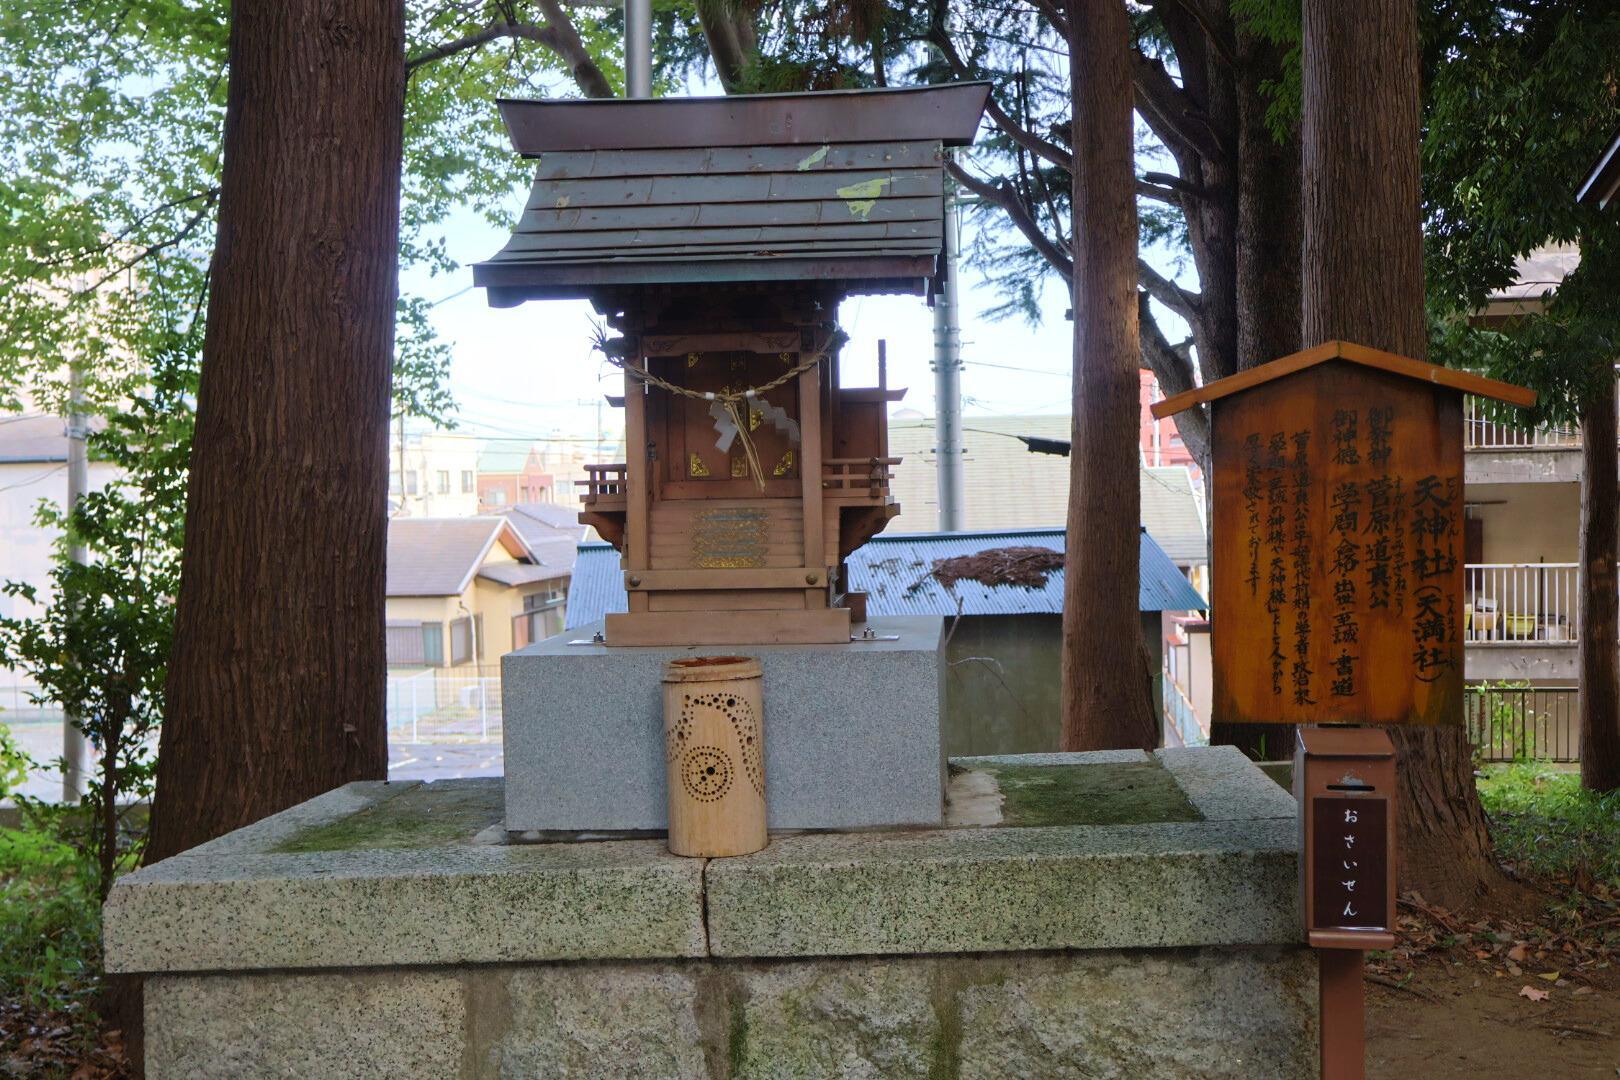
{"type": "Point", "coordinates": [444, 705]}
{"type": "Point", "coordinates": [1179, 716]}
{"type": "Point", "coordinates": [1520, 602]}
{"type": "Point", "coordinates": [1483, 433]}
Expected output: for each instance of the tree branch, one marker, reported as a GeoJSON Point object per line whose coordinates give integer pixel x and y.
{"type": "Point", "coordinates": [1020, 216]}
{"type": "Point", "coordinates": [1167, 292]}
{"type": "Point", "coordinates": [1042, 148]}
{"type": "Point", "coordinates": [1173, 368]}
{"type": "Point", "coordinates": [1169, 111]}
{"type": "Point", "coordinates": [558, 34]}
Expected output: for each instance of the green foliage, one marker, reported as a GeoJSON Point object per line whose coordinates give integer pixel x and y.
{"type": "Point", "coordinates": [1546, 824]}
{"type": "Point", "coordinates": [1518, 103]}
{"type": "Point", "coordinates": [14, 763]}
{"type": "Point", "coordinates": [50, 919]}
{"type": "Point", "coordinates": [1507, 726]}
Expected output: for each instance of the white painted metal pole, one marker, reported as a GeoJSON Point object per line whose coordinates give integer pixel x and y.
{"type": "Point", "coordinates": [948, 381]}
{"type": "Point", "coordinates": [638, 48]}
{"type": "Point", "coordinates": [75, 747]}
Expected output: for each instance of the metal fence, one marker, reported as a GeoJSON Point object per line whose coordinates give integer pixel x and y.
{"type": "Point", "coordinates": [1517, 723]}
{"type": "Point", "coordinates": [1483, 431]}
{"type": "Point", "coordinates": [1180, 719]}
{"type": "Point", "coordinates": [1521, 602]}
{"type": "Point", "coordinates": [451, 705]}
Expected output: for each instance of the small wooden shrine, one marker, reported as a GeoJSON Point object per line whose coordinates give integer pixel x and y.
{"type": "Point", "coordinates": [717, 236]}
{"type": "Point", "coordinates": [1338, 536]}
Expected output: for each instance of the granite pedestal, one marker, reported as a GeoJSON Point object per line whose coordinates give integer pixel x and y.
{"type": "Point", "coordinates": [1101, 916]}
{"type": "Point", "coordinates": [852, 731]}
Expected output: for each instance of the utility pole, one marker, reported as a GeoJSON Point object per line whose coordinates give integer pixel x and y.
{"type": "Point", "coordinates": [75, 747]}
{"type": "Point", "coordinates": [638, 48]}
{"type": "Point", "coordinates": [948, 381]}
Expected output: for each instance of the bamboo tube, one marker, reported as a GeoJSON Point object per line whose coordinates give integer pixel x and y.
{"type": "Point", "coordinates": [714, 748]}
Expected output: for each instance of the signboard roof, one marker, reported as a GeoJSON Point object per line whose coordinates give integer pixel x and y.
{"type": "Point", "coordinates": [1450, 378]}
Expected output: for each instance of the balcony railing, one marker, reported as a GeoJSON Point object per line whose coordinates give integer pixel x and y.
{"type": "Point", "coordinates": [604, 486]}
{"type": "Point", "coordinates": [1521, 602]}
{"type": "Point", "coordinates": [1483, 433]}
{"type": "Point", "coordinates": [858, 478]}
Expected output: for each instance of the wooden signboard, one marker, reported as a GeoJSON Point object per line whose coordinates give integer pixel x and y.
{"type": "Point", "coordinates": [1338, 537]}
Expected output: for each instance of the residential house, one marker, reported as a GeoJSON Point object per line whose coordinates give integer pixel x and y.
{"type": "Point", "coordinates": [1003, 654]}
{"type": "Point", "coordinates": [1522, 546]}
{"type": "Point", "coordinates": [512, 471]}
{"type": "Point", "coordinates": [433, 474]}
{"type": "Point", "coordinates": [553, 535]}
{"type": "Point", "coordinates": [463, 592]}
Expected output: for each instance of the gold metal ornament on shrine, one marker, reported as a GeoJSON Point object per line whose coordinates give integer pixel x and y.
{"type": "Point", "coordinates": [714, 750]}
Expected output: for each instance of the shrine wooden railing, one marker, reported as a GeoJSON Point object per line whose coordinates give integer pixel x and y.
{"type": "Point", "coordinates": [859, 478]}
{"type": "Point", "coordinates": [604, 486]}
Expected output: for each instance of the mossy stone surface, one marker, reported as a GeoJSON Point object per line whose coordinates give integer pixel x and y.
{"type": "Point", "coordinates": [1114, 794]}
{"type": "Point", "coordinates": [423, 816]}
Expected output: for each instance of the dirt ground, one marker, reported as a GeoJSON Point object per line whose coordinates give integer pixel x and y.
{"type": "Point", "coordinates": [1464, 1020]}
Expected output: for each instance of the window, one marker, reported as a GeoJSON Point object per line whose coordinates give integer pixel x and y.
{"type": "Point", "coordinates": [413, 644]}
{"type": "Point", "coordinates": [549, 595]}
{"type": "Point", "coordinates": [467, 484]}
{"type": "Point", "coordinates": [410, 482]}
{"type": "Point", "coordinates": [443, 479]}
{"type": "Point", "coordinates": [393, 481]}
{"type": "Point", "coordinates": [497, 496]}
{"type": "Point", "coordinates": [465, 633]}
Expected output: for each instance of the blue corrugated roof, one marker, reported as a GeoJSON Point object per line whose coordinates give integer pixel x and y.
{"type": "Point", "coordinates": [894, 572]}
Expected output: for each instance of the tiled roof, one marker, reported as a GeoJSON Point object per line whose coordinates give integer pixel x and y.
{"type": "Point", "coordinates": [1173, 514]}
{"type": "Point", "coordinates": [1005, 486]}
{"type": "Point", "coordinates": [894, 573]}
{"type": "Point", "coordinates": [553, 533]}
{"type": "Point", "coordinates": [439, 556]}
{"type": "Point", "coordinates": [740, 188]}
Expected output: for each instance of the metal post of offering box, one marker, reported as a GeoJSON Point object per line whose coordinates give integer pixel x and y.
{"type": "Point", "coordinates": [1344, 781]}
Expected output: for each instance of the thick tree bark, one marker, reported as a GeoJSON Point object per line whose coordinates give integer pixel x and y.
{"type": "Point", "coordinates": [1104, 706]}
{"type": "Point", "coordinates": [1600, 591]}
{"type": "Point", "coordinates": [1363, 281]}
{"type": "Point", "coordinates": [277, 677]}
{"type": "Point", "coordinates": [1267, 293]}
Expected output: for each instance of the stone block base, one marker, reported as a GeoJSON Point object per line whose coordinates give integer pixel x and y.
{"type": "Point", "coordinates": [852, 734]}
{"type": "Point", "coordinates": [1203, 1013]}
{"type": "Point", "coordinates": [1085, 915]}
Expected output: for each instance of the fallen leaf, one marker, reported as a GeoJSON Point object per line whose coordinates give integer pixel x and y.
{"type": "Point", "coordinates": [1533, 994]}
{"type": "Point", "coordinates": [1550, 976]}
{"type": "Point", "coordinates": [1516, 953]}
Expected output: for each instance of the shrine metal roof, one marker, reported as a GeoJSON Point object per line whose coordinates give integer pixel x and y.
{"type": "Point", "coordinates": [845, 188]}
{"type": "Point", "coordinates": [894, 573]}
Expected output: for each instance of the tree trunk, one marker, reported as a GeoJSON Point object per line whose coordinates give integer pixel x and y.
{"type": "Point", "coordinates": [1363, 281]}
{"type": "Point", "coordinates": [1267, 293]}
{"type": "Point", "coordinates": [1600, 591]}
{"type": "Point", "coordinates": [1103, 672]}
{"type": "Point", "coordinates": [276, 680]}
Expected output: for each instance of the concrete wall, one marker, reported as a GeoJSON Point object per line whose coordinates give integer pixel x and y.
{"type": "Point", "coordinates": [1003, 690]}
{"type": "Point", "coordinates": [1205, 1013]}
{"type": "Point", "coordinates": [1528, 523]}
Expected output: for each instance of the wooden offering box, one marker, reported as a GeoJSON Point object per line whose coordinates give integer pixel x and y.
{"type": "Point", "coordinates": [1338, 537]}
{"type": "Point", "coordinates": [717, 237]}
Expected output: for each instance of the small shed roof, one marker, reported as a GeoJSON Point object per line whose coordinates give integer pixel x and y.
{"type": "Point", "coordinates": [844, 188]}
{"type": "Point", "coordinates": [894, 572]}
{"type": "Point", "coordinates": [1450, 378]}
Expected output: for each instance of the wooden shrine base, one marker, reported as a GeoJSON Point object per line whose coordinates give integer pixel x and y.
{"type": "Point", "coordinates": [820, 626]}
